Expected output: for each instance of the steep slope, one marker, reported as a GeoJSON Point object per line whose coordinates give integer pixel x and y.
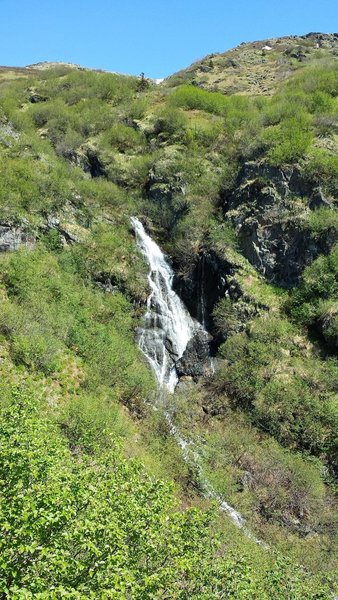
{"type": "Point", "coordinates": [257, 68]}
{"type": "Point", "coordinates": [241, 194]}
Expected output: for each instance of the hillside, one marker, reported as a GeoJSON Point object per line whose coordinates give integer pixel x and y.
{"type": "Point", "coordinates": [257, 68]}
{"type": "Point", "coordinates": [110, 486]}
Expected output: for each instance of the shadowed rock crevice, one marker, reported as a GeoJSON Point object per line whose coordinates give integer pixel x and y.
{"type": "Point", "coordinates": [202, 286]}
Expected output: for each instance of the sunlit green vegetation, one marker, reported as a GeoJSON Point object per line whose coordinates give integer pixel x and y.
{"type": "Point", "coordinates": [271, 486]}
{"type": "Point", "coordinates": [76, 525]}
{"type": "Point", "coordinates": [80, 152]}
{"type": "Point", "coordinates": [286, 392]}
{"type": "Point", "coordinates": [315, 300]}
{"type": "Point", "coordinates": [49, 311]}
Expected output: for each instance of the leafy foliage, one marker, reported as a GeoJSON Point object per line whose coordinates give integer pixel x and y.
{"type": "Point", "coordinates": [75, 527]}
{"type": "Point", "coordinates": [80, 153]}
{"type": "Point", "coordinates": [267, 375]}
{"type": "Point", "coordinates": [52, 312]}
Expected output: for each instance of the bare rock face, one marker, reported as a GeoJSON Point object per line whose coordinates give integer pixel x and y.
{"type": "Point", "coordinates": [318, 200]}
{"type": "Point", "coordinates": [11, 238]}
{"type": "Point", "coordinates": [269, 207]}
{"type": "Point", "coordinates": [195, 361]}
{"type": "Point", "coordinates": [203, 285]}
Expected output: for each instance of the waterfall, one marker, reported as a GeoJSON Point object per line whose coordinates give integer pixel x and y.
{"type": "Point", "coordinates": [166, 331]}
{"type": "Point", "coordinates": [168, 326]}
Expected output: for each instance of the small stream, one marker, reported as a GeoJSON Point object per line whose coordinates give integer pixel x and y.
{"type": "Point", "coordinates": [163, 338]}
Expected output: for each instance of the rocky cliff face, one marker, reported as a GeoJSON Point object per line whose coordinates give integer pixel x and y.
{"type": "Point", "coordinates": [269, 208]}
{"type": "Point", "coordinates": [203, 285]}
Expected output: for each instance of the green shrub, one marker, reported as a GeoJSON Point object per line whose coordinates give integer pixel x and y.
{"type": "Point", "coordinates": [124, 138]}
{"type": "Point", "coordinates": [170, 122]}
{"type": "Point", "coordinates": [317, 78]}
{"type": "Point", "coordinates": [319, 283]}
{"type": "Point", "coordinates": [78, 525]}
{"type": "Point", "coordinates": [267, 376]}
{"type": "Point", "coordinates": [289, 141]}
{"type": "Point", "coordinates": [193, 98]}
{"type": "Point", "coordinates": [323, 220]}
{"type": "Point", "coordinates": [32, 186]}
{"type": "Point", "coordinates": [322, 169]}
{"type": "Point", "coordinates": [51, 312]}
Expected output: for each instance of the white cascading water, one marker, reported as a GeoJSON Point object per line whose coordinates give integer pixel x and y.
{"type": "Point", "coordinates": [168, 326]}
{"type": "Point", "coordinates": [167, 329]}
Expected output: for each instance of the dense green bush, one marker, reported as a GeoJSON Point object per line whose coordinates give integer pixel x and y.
{"type": "Point", "coordinates": [78, 526]}
{"type": "Point", "coordinates": [238, 111]}
{"type": "Point", "coordinates": [319, 282]}
{"type": "Point", "coordinates": [51, 311]}
{"type": "Point", "coordinates": [124, 138]}
{"type": "Point", "coordinates": [322, 169]}
{"type": "Point", "coordinates": [170, 122]}
{"type": "Point", "coordinates": [30, 186]}
{"type": "Point", "coordinates": [285, 393]}
{"type": "Point", "coordinates": [322, 221]}
{"type": "Point", "coordinates": [317, 78]}
{"type": "Point", "coordinates": [289, 141]}
{"type": "Point", "coordinates": [193, 98]}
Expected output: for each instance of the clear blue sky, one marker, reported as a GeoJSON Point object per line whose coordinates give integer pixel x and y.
{"type": "Point", "coordinates": [155, 36]}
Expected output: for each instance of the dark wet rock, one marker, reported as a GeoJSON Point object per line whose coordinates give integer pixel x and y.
{"type": "Point", "coordinates": [203, 284]}
{"type": "Point", "coordinates": [106, 283]}
{"type": "Point", "coordinates": [318, 200]}
{"type": "Point", "coordinates": [195, 361]}
{"type": "Point", "coordinates": [278, 249]}
{"type": "Point", "coordinates": [13, 237]}
{"type": "Point", "coordinates": [35, 98]}
{"type": "Point", "coordinates": [169, 346]}
{"type": "Point", "coordinates": [88, 159]}
{"type": "Point", "coordinates": [94, 165]}
{"type": "Point", "coordinates": [211, 279]}
{"type": "Point", "coordinates": [107, 287]}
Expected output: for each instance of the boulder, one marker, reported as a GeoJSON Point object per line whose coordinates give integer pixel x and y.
{"type": "Point", "coordinates": [11, 238]}
{"type": "Point", "coordinates": [195, 361]}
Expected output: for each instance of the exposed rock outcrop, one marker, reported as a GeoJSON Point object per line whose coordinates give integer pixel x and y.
{"type": "Point", "coordinates": [88, 159]}
{"type": "Point", "coordinates": [269, 208]}
{"type": "Point", "coordinates": [195, 361]}
{"type": "Point", "coordinates": [203, 285]}
{"type": "Point", "coordinates": [8, 134]}
{"type": "Point", "coordinates": [256, 68]}
{"type": "Point", "coordinates": [12, 237]}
